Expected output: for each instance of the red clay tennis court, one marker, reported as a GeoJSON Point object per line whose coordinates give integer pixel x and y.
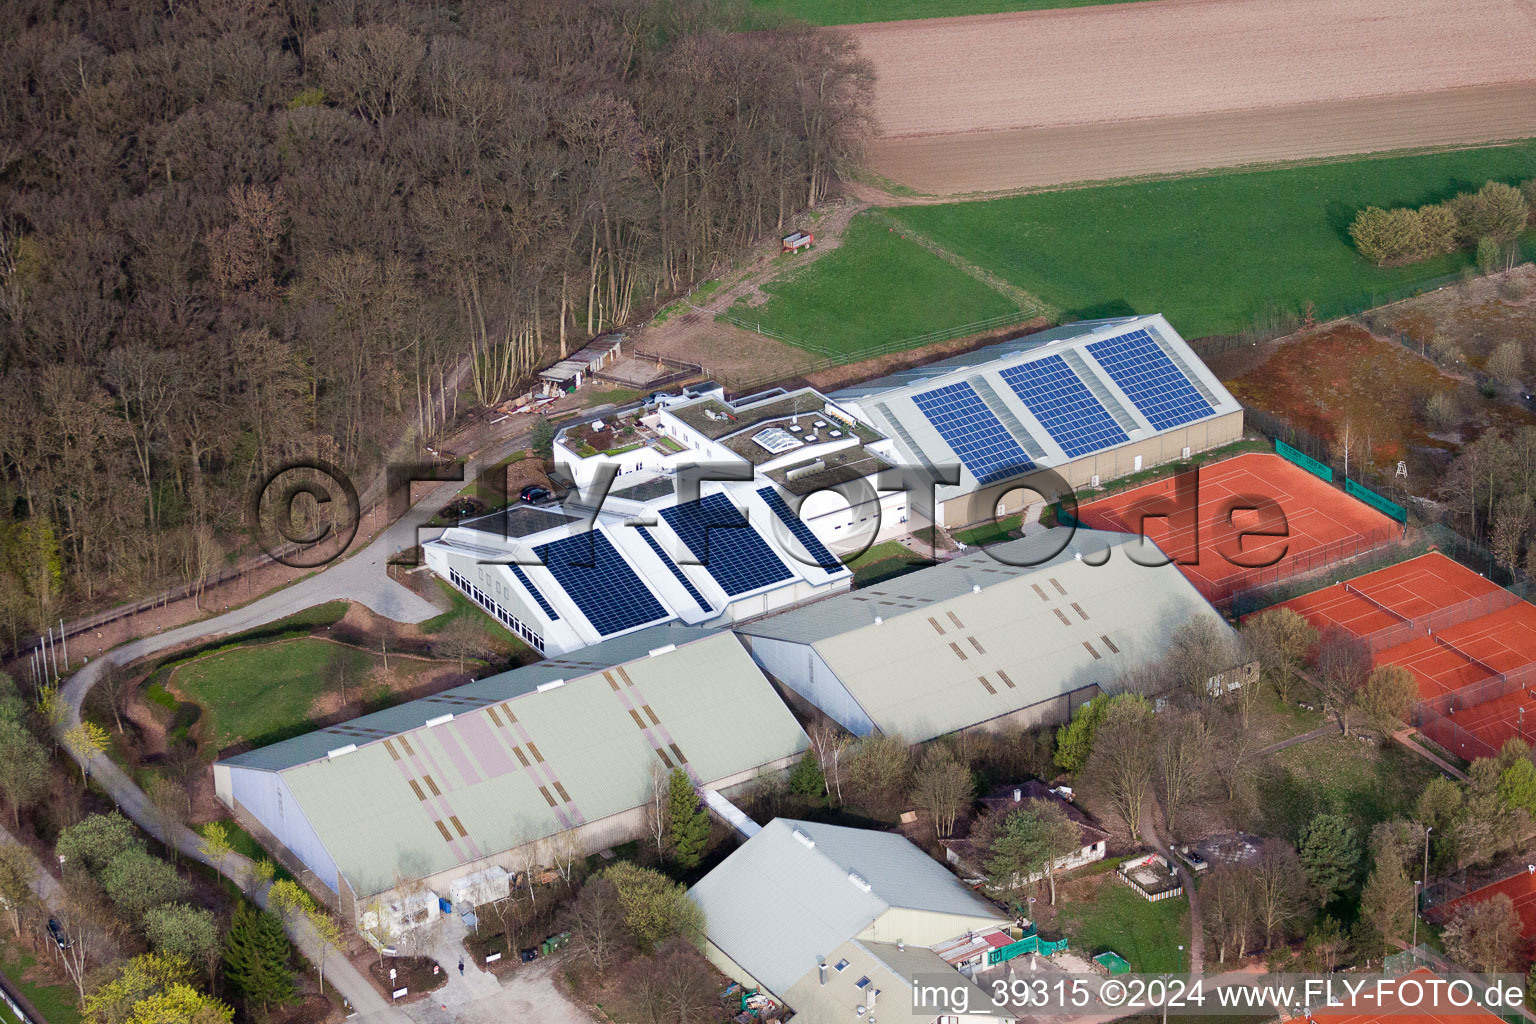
{"type": "Point", "coordinates": [1393, 1011]}
{"type": "Point", "coordinates": [1197, 521]}
{"type": "Point", "coordinates": [1521, 889]}
{"type": "Point", "coordinates": [1470, 644]}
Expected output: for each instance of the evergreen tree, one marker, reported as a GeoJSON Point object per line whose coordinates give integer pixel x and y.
{"type": "Point", "coordinates": [806, 778]}
{"type": "Point", "coordinates": [1329, 856]}
{"type": "Point", "coordinates": [256, 959]}
{"type": "Point", "coordinates": [687, 821]}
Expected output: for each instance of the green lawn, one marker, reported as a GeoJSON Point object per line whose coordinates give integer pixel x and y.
{"type": "Point", "coordinates": [56, 1002]}
{"type": "Point", "coordinates": [883, 562]}
{"type": "Point", "coordinates": [876, 288]}
{"type": "Point", "coordinates": [1216, 253]}
{"type": "Point", "coordinates": [849, 12]}
{"type": "Point", "coordinates": [1114, 916]}
{"type": "Point", "coordinates": [1361, 781]}
{"type": "Point", "coordinates": [264, 692]}
{"type": "Point", "coordinates": [991, 532]}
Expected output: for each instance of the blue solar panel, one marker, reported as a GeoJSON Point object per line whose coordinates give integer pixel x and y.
{"type": "Point", "coordinates": [1145, 373]}
{"type": "Point", "coordinates": [968, 426]}
{"type": "Point", "coordinates": [666, 560]}
{"type": "Point", "coordinates": [522, 578]}
{"type": "Point", "coordinates": [720, 538]}
{"type": "Point", "coordinates": [1064, 405]}
{"type": "Point", "coordinates": [813, 547]}
{"type": "Point", "coordinates": [601, 583]}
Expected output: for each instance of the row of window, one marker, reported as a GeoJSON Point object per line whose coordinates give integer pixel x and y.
{"type": "Point", "coordinates": [512, 622]}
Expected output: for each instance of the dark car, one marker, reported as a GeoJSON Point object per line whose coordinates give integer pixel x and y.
{"type": "Point", "coordinates": [528, 955]}
{"type": "Point", "coordinates": [57, 931]}
{"type": "Point", "coordinates": [534, 493]}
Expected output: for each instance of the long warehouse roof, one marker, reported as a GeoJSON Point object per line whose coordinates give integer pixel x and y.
{"type": "Point", "coordinates": [1043, 400]}
{"type": "Point", "coordinates": [519, 756]}
{"type": "Point", "coordinates": [976, 637]}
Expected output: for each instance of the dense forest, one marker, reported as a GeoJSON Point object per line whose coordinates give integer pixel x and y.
{"type": "Point", "coordinates": [235, 232]}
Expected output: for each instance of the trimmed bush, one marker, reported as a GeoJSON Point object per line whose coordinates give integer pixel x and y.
{"type": "Point", "coordinates": [1389, 238]}
{"type": "Point", "coordinates": [1497, 211]}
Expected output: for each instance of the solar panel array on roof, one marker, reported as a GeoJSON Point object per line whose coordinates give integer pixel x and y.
{"type": "Point", "coordinates": [522, 578]}
{"type": "Point", "coordinates": [602, 584]}
{"type": "Point", "coordinates": [1063, 403]}
{"type": "Point", "coordinates": [814, 547]}
{"type": "Point", "coordinates": [1143, 370]}
{"type": "Point", "coordinates": [975, 434]}
{"type": "Point", "coordinates": [725, 544]}
{"type": "Point", "coordinates": [677, 573]}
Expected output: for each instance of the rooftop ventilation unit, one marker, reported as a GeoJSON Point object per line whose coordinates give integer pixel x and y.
{"type": "Point", "coordinates": [805, 841]}
{"type": "Point", "coordinates": [860, 881]}
{"type": "Point", "coordinates": [440, 719]}
{"type": "Point", "coordinates": [553, 684]}
{"type": "Point", "coordinates": [663, 649]}
{"type": "Point", "coordinates": [341, 750]}
{"type": "Point", "coordinates": [819, 424]}
{"type": "Point", "coordinates": [834, 433]}
{"type": "Point", "coordinates": [805, 470]}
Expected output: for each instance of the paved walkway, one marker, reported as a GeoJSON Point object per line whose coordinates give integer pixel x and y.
{"type": "Point", "coordinates": [1402, 736]}
{"type": "Point", "coordinates": [1315, 734]}
{"type": "Point", "coordinates": [527, 995]}
{"type": "Point", "coordinates": [42, 883]}
{"type": "Point", "coordinates": [362, 578]}
{"type": "Point", "coordinates": [1196, 922]}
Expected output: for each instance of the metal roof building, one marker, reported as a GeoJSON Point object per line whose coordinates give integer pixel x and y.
{"type": "Point", "coordinates": [1098, 399]}
{"type": "Point", "coordinates": [476, 777]}
{"type": "Point", "coordinates": [1021, 631]}
{"type": "Point", "coordinates": [866, 904]}
{"type": "Point", "coordinates": [562, 577]}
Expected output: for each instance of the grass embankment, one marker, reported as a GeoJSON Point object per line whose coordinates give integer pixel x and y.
{"type": "Point", "coordinates": [268, 691]}
{"type": "Point", "coordinates": [875, 288]}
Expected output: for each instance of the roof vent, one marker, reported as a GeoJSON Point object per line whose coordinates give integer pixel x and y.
{"type": "Point", "coordinates": [805, 840]}
{"type": "Point", "coordinates": [901, 945]}
{"type": "Point", "coordinates": [341, 750]}
{"type": "Point", "coordinates": [1077, 556]}
{"type": "Point", "coordinates": [879, 619]}
{"type": "Point", "coordinates": [440, 719]}
{"type": "Point", "coordinates": [860, 881]}
{"type": "Point", "coordinates": [663, 649]}
{"type": "Point", "coordinates": [975, 588]}
{"type": "Point", "coordinates": [553, 684]}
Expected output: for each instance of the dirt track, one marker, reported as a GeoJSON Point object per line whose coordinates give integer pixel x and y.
{"type": "Point", "coordinates": [1055, 96]}
{"type": "Point", "coordinates": [1034, 157]}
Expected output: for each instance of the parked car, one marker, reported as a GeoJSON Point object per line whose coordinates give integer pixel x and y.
{"type": "Point", "coordinates": [534, 493]}
{"type": "Point", "coordinates": [57, 931]}
{"type": "Point", "coordinates": [528, 955]}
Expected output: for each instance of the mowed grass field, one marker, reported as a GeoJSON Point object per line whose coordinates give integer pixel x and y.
{"type": "Point", "coordinates": [266, 692]}
{"type": "Point", "coordinates": [1217, 253]}
{"type": "Point", "coordinates": [1100, 913]}
{"type": "Point", "coordinates": [851, 12]}
{"type": "Point", "coordinates": [876, 287]}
